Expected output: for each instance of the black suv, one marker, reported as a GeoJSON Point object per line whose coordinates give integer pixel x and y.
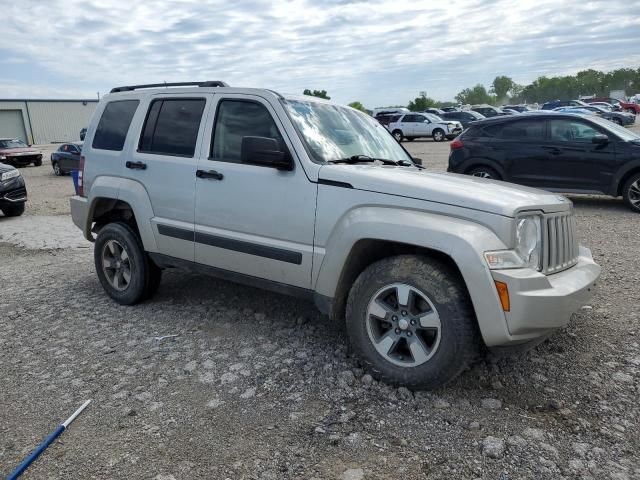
{"type": "Point", "coordinates": [561, 152]}
{"type": "Point", "coordinates": [13, 193]}
{"type": "Point", "coordinates": [464, 117]}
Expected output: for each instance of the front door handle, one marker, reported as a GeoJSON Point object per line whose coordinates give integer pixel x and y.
{"type": "Point", "coordinates": [209, 174]}
{"type": "Point", "coordinates": [136, 165]}
{"type": "Point", "coordinates": [553, 150]}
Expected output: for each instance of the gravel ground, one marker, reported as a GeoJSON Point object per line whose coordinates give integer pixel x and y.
{"type": "Point", "coordinates": [215, 380]}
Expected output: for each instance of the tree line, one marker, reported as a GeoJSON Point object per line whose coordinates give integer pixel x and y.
{"type": "Point", "coordinates": [505, 90]}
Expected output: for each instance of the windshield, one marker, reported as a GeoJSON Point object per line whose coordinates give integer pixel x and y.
{"type": "Point", "coordinates": [619, 130]}
{"type": "Point", "coordinates": [15, 143]}
{"type": "Point", "coordinates": [432, 117]}
{"type": "Point", "coordinates": [331, 132]}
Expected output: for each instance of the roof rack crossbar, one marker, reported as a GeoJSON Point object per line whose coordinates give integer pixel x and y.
{"type": "Point", "coordinates": [210, 83]}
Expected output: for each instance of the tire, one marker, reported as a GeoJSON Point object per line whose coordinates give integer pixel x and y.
{"type": "Point", "coordinates": [484, 172]}
{"type": "Point", "coordinates": [631, 192]}
{"type": "Point", "coordinates": [438, 135]}
{"type": "Point", "coordinates": [14, 210]}
{"type": "Point", "coordinates": [57, 170]}
{"type": "Point", "coordinates": [455, 343]}
{"type": "Point", "coordinates": [112, 240]}
{"type": "Point", "coordinates": [397, 134]}
{"type": "Point", "coordinates": [37, 163]}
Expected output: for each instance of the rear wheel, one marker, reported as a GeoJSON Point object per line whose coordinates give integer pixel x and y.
{"type": "Point", "coordinates": [37, 163]}
{"type": "Point", "coordinates": [438, 135]}
{"type": "Point", "coordinates": [397, 134]}
{"type": "Point", "coordinates": [123, 267]}
{"type": "Point", "coordinates": [410, 320]}
{"type": "Point", "coordinates": [13, 210]}
{"type": "Point", "coordinates": [484, 172]}
{"type": "Point", "coordinates": [631, 192]}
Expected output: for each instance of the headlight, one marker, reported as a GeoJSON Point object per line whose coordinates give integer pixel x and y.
{"type": "Point", "coordinates": [526, 253]}
{"type": "Point", "coordinates": [9, 175]}
{"type": "Point", "coordinates": [2, 157]}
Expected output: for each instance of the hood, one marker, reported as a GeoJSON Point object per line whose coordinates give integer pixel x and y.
{"type": "Point", "coordinates": [9, 151]}
{"type": "Point", "coordinates": [5, 168]}
{"type": "Point", "coordinates": [464, 191]}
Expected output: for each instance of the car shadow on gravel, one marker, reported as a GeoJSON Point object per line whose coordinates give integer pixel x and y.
{"type": "Point", "coordinates": [599, 202]}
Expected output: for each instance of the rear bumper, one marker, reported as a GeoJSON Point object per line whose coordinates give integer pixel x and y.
{"type": "Point", "coordinates": [542, 303]}
{"type": "Point", "coordinates": [80, 213]}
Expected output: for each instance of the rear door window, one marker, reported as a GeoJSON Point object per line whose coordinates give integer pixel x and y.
{"type": "Point", "coordinates": [114, 125]}
{"type": "Point", "coordinates": [527, 130]}
{"type": "Point", "coordinates": [171, 126]}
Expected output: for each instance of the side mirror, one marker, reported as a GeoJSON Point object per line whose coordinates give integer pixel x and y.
{"type": "Point", "coordinates": [600, 139]}
{"type": "Point", "coordinates": [264, 151]}
{"type": "Point", "coordinates": [417, 160]}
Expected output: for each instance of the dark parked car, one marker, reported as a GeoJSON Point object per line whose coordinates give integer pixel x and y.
{"type": "Point", "coordinates": [465, 118]}
{"type": "Point", "coordinates": [517, 108]}
{"type": "Point", "coordinates": [556, 151]}
{"type": "Point", "coordinates": [17, 153]}
{"type": "Point", "coordinates": [621, 118]}
{"type": "Point", "coordinates": [562, 103]}
{"type": "Point", "coordinates": [488, 110]}
{"type": "Point", "coordinates": [387, 119]}
{"type": "Point", "coordinates": [13, 193]}
{"type": "Point", "coordinates": [450, 109]}
{"type": "Point", "coordinates": [435, 111]}
{"type": "Point", "coordinates": [66, 158]}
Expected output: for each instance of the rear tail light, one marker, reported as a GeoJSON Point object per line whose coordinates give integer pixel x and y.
{"type": "Point", "coordinates": [81, 177]}
{"type": "Point", "coordinates": [456, 144]}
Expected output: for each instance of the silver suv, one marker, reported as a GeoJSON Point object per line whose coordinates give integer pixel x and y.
{"type": "Point", "coordinates": [312, 199]}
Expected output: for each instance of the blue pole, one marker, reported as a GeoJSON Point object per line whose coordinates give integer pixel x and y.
{"type": "Point", "coordinates": [47, 441]}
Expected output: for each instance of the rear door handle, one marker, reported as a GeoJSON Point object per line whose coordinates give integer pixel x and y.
{"type": "Point", "coordinates": [136, 165]}
{"type": "Point", "coordinates": [209, 174]}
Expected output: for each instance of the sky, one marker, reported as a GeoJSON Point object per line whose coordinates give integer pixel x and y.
{"type": "Point", "coordinates": [379, 52]}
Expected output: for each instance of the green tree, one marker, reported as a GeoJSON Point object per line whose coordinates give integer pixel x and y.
{"type": "Point", "coordinates": [317, 93]}
{"type": "Point", "coordinates": [421, 103]}
{"type": "Point", "coordinates": [501, 87]}
{"type": "Point", "coordinates": [358, 106]}
{"type": "Point", "coordinates": [475, 95]}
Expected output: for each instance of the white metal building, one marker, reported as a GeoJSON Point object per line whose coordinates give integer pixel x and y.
{"type": "Point", "coordinates": [44, 121]}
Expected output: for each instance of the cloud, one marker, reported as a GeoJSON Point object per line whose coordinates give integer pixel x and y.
{"type": "Point", "coordinates": [379, 52]}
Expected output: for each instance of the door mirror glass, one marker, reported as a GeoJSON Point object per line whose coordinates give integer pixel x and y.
{"type": "Point", "coordinates": [600, 139]}
{"type": "Point", "coordinates": [264, 151]}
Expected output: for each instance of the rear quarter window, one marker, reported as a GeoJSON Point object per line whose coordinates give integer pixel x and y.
{"type": "Point", "coordinates": [114, 125]}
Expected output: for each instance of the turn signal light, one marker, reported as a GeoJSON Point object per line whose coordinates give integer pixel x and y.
{"type": "Point", "coordinates": [503, 293]}
{"type": "Point", "coordinates": [456, 144]}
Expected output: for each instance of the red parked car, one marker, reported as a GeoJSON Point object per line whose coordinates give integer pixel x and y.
{"type": "Point", "coordinates": [17, 153]}
{"type": "Point", "coordinates": [626, 106]}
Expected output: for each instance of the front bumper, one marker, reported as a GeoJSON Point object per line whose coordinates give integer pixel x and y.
{"type": "Point", "coordinates": [542, 303]}
{"type": "Point", "coordinates": [13, 192]}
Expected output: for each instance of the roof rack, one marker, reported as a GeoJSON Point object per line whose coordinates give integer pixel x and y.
{"type": "Point", "coordinates": [210, 83]}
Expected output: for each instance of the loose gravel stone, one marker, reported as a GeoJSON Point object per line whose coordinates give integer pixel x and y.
{"type": "Point", "coordinates": [491, 403]}
{"type": "Point", "coordinates": [493, 447]}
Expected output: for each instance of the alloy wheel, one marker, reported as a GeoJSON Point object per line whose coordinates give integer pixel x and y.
{"type": "Point", "coordinates": [116, 265]}
{"type": "Point", "coordinates": [403, 325]}
{"type": "Point", "coordinates": [397, 136]}
{"type": "Point", "coordinates": [56, 169]}
{"type": "Point", "coordinates": [634, 194]}
{"type": "Point", "coordinates": [481, 174]}
{"type": "Point", "coordinates": [438, 136]}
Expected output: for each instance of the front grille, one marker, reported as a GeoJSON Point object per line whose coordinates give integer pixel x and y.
{"type": "Point", "coordinates": [17, 194]}
{"type": "Point", "coordinates": [560, 243]}
{"type": "Point", "coordinates": [23, 158]}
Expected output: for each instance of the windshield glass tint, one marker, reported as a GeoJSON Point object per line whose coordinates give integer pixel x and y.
{"type": "Point", "coordinates": [331, 132]}
{"type": "Point", "coordinates": [619, 130]}
{"type": "Point", "coordinates": [15, 143]}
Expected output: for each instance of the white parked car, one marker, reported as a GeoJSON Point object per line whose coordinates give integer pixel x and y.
{"type": "Point", "coordinates": [417, 125]}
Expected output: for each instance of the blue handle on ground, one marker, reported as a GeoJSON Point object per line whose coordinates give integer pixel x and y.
{"type": "Point", "coordinates": [33, 455]}
{"type": "Point", "coordinates": [74, 175]}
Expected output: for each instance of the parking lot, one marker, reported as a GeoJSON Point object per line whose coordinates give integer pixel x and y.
{"type": "Point", "coordinates": [215, 380]}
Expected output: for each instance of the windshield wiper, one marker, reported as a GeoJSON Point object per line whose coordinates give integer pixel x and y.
{"type": "Point", "coordinates": [363, 159]}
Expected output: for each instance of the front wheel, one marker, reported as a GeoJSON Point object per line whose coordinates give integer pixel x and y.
{"type": "Point", "coordinates": [631, 192]}
{"type": "Point", "coordinates": [484, 172]}
{"type": "Point", "coordinates": [122, 265]}
{"type": "Point", "coordinates": [397, 134]}
{"type": "Point", "coordinates": [57, 170]}
{"type": "Point", "coordinates": [410, 320]}
{"type": "Point", "coordinates": [13, 210]}
{"type": "Point", "coordinates": [438, 135]}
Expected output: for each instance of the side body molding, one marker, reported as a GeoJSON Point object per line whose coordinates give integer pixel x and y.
{"type": "Point", "coordinates": [463, 241]}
